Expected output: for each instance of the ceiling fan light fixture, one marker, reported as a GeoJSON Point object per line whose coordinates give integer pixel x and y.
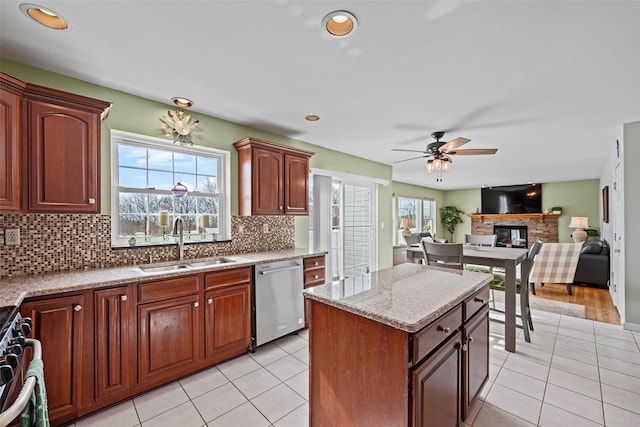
{"type": "Point", "coordinates": [445, 165]}
{"type": "Point", "coordinates": [340, 23]}
{"type": "Point", "coordinates": [44, 16]}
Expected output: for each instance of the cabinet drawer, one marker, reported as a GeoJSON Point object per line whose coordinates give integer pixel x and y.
{"type": "Point", "coordinates": [431, 336]}
{"type": "Point", "coordinates": [315, 276]}
{"type": "Point", "coordinates": [313, 262]}
{"type": "Point", "coordinates": [171, 288]}
{"type": "Point", "coordinates": [228, 277]}
{"type": "Point", "coordinates": [476, 302]}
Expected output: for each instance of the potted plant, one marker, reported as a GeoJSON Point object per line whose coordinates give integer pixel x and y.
{"type": "Point", "coordinates": [450, 217]}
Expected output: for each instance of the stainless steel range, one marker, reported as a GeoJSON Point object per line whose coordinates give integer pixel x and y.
{"type": "Point", "coordinates": [13, 339]}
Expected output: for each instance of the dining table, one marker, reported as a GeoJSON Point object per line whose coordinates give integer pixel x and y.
{"type": "Point", "coordinates": [494, 256]}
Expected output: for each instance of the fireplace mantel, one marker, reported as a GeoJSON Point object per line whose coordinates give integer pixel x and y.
{"type": "Point", "coordinates": [539, 216]}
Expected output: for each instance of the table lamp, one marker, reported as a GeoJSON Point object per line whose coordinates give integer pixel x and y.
{"type": "Point", "coordinates": [579, 223]}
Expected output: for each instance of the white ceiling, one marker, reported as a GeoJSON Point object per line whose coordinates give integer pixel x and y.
{"type": "Point", "coordinates": [547, 83]}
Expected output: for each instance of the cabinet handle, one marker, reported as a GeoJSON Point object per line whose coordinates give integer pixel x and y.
{"type": "Point", "coordinates": [123, 298]}
{"type": "Point", "coordinates": [444, 329]}
{"type": "Point", "coordinates": [288, 207]}
{"type": "Point", "coordinates": [196, 304]}
{"type": "Point", "coordinates": [480, 300]}
{"type": "Point", "coordinates": [464, 347]}
{"type": "Point", "coordinates": [315, 276]}
{"type": "Point", "coordinates": [77, 307]}
{"type": "Point", "coordinates": [315, 263]}
{"type": "Point", "coordinates": [280, 207]}
{"type": "Point", "coordinates": [210, 301]}
{"type": "Point", "coordinates": [470, 339]}
{"type": "Point", "coordinates": [92, 201]}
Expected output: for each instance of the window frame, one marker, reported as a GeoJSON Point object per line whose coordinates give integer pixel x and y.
{"type": "Point", "coordinates": [222, 157]}
{"type": "Point", "coordinates": [419, 216]}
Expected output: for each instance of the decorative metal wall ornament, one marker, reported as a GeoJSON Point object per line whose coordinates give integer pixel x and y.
{"type": "Point", "coordinates": [180, 126]}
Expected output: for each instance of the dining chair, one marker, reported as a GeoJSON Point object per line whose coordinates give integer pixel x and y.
{"type": "Point", "coordinates": [448, 255]}
{"type": "Point", "coordinates": [481, 239]}
{"type": "Point", "coordinates": [525, 310]}
{"type": "Point", "coordinates": [556, 263]}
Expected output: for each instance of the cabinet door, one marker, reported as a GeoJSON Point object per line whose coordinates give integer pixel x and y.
{"type": "Point", "coordinates": [268, 192]}
{"type": "Point", "coordinates": [114, 343]}
{"type": "Point", "coordinates": [59, 325]}
{"type": "Point", "coordinates": [227, 322]}
{"type": "Point", "coordinates": [476, 358]}
{"type": "Point", "coordinates": [169, 340]}
{"type": "Point", "coordinates": [436, 387]}
{"type": "Point", "coordinates": [296, 185]}
{"type": "Point", "coordinates": [63, 152]}
{"type": "Point", "coordinates": [10, 137]}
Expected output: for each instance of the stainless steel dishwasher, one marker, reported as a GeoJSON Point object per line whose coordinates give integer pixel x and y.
{"type": "Point", "coordinates": [279, 305]}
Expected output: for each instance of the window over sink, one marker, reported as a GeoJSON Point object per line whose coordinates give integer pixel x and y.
{"type": "Point", "coordinates": [145, 169]}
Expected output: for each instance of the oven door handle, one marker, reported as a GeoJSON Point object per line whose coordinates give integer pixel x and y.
{"type": "Point", "coordinates": [13, 411]}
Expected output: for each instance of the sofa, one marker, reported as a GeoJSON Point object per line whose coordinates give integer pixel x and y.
{"type": "Point", "coordinates": [593, 264]}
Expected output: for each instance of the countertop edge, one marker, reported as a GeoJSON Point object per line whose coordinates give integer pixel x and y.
{"type": "Point", "coordinates": [395, 323]}
{"type": "Point", "coordinates": [13, 290]}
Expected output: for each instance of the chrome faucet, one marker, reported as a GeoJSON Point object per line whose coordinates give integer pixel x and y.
{"type": "Point", "coordinates": [178, 231]}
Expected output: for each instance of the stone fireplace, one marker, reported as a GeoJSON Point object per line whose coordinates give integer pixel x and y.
{"type": "Point", "coordinates": [511, 236]}
{"type": "Point", "coordinates": [538, 226]}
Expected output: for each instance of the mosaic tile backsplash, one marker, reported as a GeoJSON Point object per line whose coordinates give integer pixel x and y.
{"type": "Point", "coordinates": [59, 242]}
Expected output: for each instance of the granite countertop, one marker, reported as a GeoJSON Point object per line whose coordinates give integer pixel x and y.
{"type": "Point", "coordinates": [407, 297]}
{"type": "Point", "coordinates": [14, 290]}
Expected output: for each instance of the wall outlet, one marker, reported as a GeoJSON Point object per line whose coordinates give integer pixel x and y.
{"type": "Point", "coordinates": [12, 236]}
{"type": "Point", "coordinates": [265, 228]}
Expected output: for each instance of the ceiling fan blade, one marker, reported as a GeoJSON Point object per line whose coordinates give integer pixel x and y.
{"type": "Point", "coordinates": [474, 151]}
{"type": "Point", "coordinates": [453, 144]}
{"type": "Point", "coordinates": [413, 158]}
{"type": "Point", "coordinates": [410, 151]}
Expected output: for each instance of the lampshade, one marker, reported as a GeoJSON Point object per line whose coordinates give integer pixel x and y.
{"type": "Point", "coordinates": [579, 222]}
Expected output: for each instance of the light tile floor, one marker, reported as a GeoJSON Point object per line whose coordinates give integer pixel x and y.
{"type": "Point", "coordinates": [575, 372]}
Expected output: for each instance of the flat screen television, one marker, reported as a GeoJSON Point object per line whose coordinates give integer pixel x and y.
{"type": "Point", "coordinates": [512, 199]}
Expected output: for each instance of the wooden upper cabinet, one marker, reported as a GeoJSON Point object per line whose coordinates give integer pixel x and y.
{"type": "Point", "coordinates": [10, 143]}
{"type": "Point", "coordinates": [272, 179]}
{"type": "Point", "coordinates": [50, 148]}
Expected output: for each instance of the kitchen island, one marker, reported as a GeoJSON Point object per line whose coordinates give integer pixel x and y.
{"type": "Point", "coordinates": [404, 346]}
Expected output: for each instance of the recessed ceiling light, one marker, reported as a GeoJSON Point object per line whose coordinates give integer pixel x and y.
{"type": "Point", "coordinates": [312, 117]}
{"type": "Point", "coordinates": [340, 23]}
{"type": "Point", "coordinates": [44, 16]}
{"type": "Point", "coordinates": [182, 102]}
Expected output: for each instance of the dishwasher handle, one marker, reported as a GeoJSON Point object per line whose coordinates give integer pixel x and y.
{"type": "Point", "coordinates": [275, 270]}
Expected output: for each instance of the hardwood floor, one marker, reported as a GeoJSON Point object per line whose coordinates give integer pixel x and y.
{"type": "Point", "coordinates": [597, 301]}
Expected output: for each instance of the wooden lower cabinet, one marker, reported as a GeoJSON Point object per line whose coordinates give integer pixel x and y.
{"type": "Point", "coordinates": [227, 322]}
{"type": "Point", "coordinates": [115, 344]}
{"type": "Point", "coordinates": [314, 271]}
{"type": "Point", "coordinates": [437, 387]}
{"type": "Point", "coordinates": [365, 373]}
{"type": "Point", "coordinates": [61, 325]}
{"type": "Point", "coordinates": [227, 319]}
{"type": "Point", "coordinates": [476, 357]}
{"type": "Point", "coordinates": [169, 338]}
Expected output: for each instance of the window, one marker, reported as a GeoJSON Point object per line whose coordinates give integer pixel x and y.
{"type": "Point", "coordinates": [414, 215]}
{"type": "Point", "coordinates": [144, 171]}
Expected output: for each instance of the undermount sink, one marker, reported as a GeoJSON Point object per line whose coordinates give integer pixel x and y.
{"type": "Point", "coordinates": [161, 268]}
{"type": "Point", "coordinates": [211, 262]}
{"type": "Point", "coordinates": [208, 262]}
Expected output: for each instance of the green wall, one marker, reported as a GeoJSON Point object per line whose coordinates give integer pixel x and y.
{"type": "Point", "coordinates": [631, 189]}
{"type": "Point", "coordinates": [576, 198]}
{"type": "Point", "coordinates": [139, 115]}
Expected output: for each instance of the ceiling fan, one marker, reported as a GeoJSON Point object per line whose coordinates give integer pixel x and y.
{"type": "Point", "coordinates": [439, 152]}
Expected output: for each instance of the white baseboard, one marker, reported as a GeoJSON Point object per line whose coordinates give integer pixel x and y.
{"type": "Point", "coordinates": [631, 326]}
